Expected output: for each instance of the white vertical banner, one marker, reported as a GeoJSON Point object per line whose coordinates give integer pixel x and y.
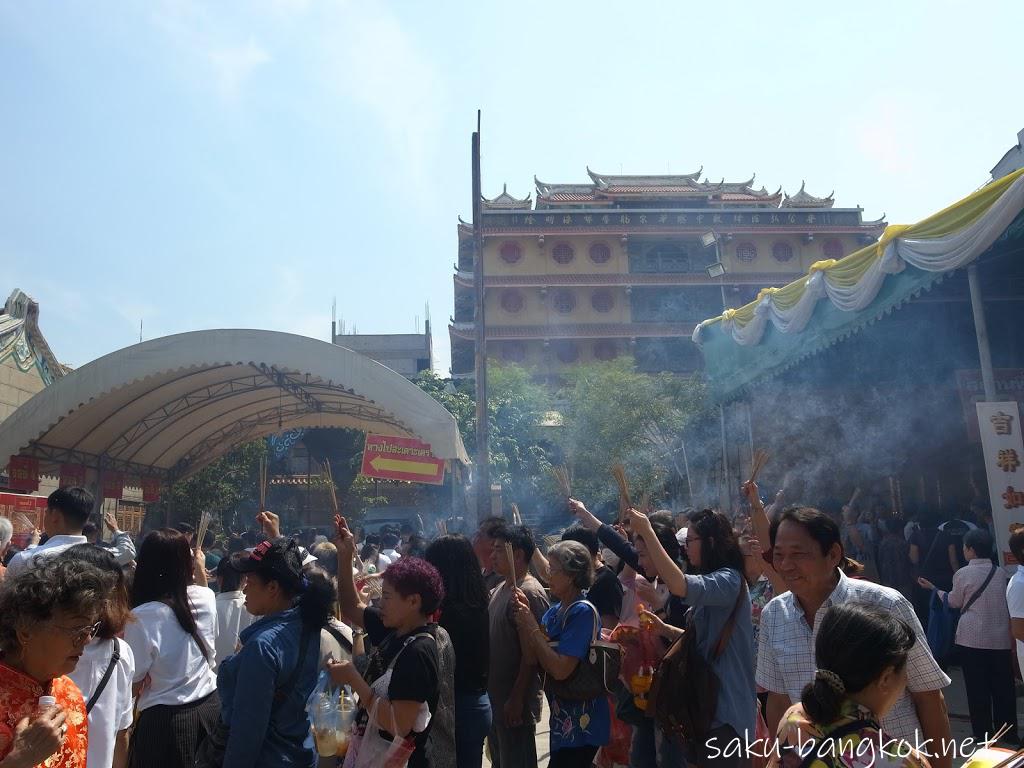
{"type": "Point", "coordinates": [1003, 450]}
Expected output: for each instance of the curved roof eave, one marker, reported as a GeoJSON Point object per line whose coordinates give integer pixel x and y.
{"type": "Point", "coordinates": [171, 405]}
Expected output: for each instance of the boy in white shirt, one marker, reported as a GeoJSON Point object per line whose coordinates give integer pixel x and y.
{"type": "Point", "coordinates": [232, 617]}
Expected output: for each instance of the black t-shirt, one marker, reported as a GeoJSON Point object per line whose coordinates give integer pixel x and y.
{"type": "Point", "coordinates": [470, 633]}
{"type": "Point", "coordinates": [415, 675]}
{"type": "Point", "coordinates": [606, 592]}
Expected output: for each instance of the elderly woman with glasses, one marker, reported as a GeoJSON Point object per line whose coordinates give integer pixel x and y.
{"type": "Point", "coordinates": [47, 616]}
{"type": "Point", "coordinates": [563, 638]}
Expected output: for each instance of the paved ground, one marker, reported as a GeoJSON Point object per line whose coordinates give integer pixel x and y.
{"type": "Point", "coordinates": [956, 700]}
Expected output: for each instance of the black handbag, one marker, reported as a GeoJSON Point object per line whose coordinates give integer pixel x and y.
{"type": "Point", "coordinates": [595, 675]}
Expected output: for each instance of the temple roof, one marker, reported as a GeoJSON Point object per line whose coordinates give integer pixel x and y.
{"type": "Point", "coordinates": [803, 200]}
{"type": "Point", "coordinates": [505, 201]}
{"type": "Point", "coordinates": [19, 322]}
{"type": "Point", "coordinates": [605, 181]}
{"type": "Point", "coordinates": [607, 189]}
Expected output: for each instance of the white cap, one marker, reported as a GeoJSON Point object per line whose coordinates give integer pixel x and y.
{"type": "Point", "coordinates": [681, 537]}
{"type": "Point", "coordinates": [45, 702]}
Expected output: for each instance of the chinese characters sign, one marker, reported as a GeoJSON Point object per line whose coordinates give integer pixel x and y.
{"type": "Point", "coordinates": [23, 473]}
{"type": "Point", "coordinates": [1002, 447]}
{"type": "Point", "coordinates": [640, 219]}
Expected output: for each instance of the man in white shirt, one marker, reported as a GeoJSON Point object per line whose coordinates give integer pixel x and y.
{"type": "Point", "coordinates": [67, 512]}
{"type": "Point", "coordinates": [232, 617]}
{"type": "Point", "coordinates": [388, 544]}
{"type": "Point", "coordinates": [807, 554]}
{"type": "Point", "coordinates": [1015, 595]}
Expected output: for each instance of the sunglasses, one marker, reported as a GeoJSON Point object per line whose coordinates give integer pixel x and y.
{"type": "Point", "coordinates": [81, 635]}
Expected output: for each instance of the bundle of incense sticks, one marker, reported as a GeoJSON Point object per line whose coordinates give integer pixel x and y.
{"type": "Point", "coordinates": [25, 522]}
{"type": "Point", "coordinates": [511, 566]}
{"type": "Point", "coordinates": [204, 524]}
{"type": "Point", "coordinates": [563, 479]}
{"type": "Point", "coordinates": [854, 497]}
{"type": "Point", "coordinates": [263, 484]}
{"type": "Point", "coordinates": [645, 502]}
{"type": "Point", "coordinates": [517, 519]}
{"type": "Point", "coordinates": [619, 473]}
{"type": "Point", "coordinates": [760, 458]}
{"type": "Point", "coordinates": [330, 486]}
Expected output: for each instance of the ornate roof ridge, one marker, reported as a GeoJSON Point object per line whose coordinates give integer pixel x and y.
{"type": "Point", "coordinates": [505, 200]}
{"type": "Point", "coordinates": [22, 306]}
{"type": "Point", "coordinates": [605, 180]}
{"type": "Point", "coordinates": [544, 189]}
{"type": "Point", "coordinates": [804, 200]}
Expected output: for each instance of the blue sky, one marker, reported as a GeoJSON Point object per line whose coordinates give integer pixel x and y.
{"type": "Point", "coordinates": [240, 164]}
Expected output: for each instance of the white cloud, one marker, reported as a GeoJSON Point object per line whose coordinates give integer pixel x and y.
{"type": "Point", "coordinates": [232, 66]}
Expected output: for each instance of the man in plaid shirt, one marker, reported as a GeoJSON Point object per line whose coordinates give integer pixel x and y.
{"type": "Point", "coordinates": [807, 553]}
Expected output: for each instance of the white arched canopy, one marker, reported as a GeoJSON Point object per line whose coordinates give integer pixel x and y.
{"type": "Point", "coordinates": [170, 406]}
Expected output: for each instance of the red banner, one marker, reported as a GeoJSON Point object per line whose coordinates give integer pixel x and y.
{"type": "Point", "coordinates": [401, 458]}
{"type": "Point", "coordinates": [72, 476]}
{"type": "Point", "coordinates": [23, 473]}
{"type": "Point", "coordinates": [150, 489]}
{"type": "Point", "coordinates": [113, 484]}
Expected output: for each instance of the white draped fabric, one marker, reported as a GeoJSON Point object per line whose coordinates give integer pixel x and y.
{"type": "Point", "coordinates": [936, 254]}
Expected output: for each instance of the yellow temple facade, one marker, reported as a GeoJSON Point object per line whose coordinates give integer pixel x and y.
{"type": "Point", "coordinates": [628, 265]}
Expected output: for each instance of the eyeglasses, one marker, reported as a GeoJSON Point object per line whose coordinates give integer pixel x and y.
{"type": "Point", "coordinates": [82, 635]}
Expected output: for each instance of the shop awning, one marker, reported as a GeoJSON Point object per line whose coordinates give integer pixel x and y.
{"type": "Point", "coordinates": [837, 298]}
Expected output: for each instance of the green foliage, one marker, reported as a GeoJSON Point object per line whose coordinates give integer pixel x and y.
{"type": "Point", "coordinates": [220, 488]}
{"type": "Point", "coordinates": [614, 415]}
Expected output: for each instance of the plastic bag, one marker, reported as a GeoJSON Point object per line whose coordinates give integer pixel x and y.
{"type": "Point", "coordinates": [368, 749]}
{"type": "Point", "coordinates": [331, 713]}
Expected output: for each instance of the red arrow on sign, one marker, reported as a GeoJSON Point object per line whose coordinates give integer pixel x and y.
{"type": "Point", "coordinates": [401, 458]}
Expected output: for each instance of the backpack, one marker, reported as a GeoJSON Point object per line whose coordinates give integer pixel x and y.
{"type": "Point", "coordinates": [440, 746]}
{"type": "Point", "coordinates": [684, 692]}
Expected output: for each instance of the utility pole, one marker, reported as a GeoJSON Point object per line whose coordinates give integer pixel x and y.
{"type": "Point", "coordinates": [483, 454]}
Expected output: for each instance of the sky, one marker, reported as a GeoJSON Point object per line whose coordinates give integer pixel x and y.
{"type": "Point", "coordinates": [193, 165]}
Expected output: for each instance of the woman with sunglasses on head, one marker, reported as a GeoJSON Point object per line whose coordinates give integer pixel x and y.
{"type": "Point", "coordinates": [173, 640]}
{"type": "Point", "coordinates": [47, 616]}
{"type": "Point", "coordinates": [105, 672]}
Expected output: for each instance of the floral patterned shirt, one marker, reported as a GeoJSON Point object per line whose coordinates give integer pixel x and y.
{"type": "Point", "coordinates": [859, 742]}
{"type": "Point", "coordinates": [575, 723]}
{"type": "Point", "coordinates": [19, 698]}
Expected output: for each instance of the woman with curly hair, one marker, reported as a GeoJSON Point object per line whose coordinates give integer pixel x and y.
{"type": "Point", "coordinates": [47, 616]}
{"type": "Point", "coordinates": [104, 675]}
{"type": "Point", "coordinates": [402, 681]}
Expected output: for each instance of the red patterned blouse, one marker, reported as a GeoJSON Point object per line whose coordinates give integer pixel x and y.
{"type": "Point", "coordinates": [19, 697]}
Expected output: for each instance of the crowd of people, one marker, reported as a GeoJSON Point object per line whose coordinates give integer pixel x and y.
{"type": "Point", "coordinates": [655, 640]}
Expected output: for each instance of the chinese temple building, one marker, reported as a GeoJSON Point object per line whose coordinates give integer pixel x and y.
{"type": "Point", "coordinates": [619, 265]}
{"type": "Point", "coordinates": [26, 363]}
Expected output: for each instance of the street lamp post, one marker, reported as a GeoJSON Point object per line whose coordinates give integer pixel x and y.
{"type": "Point", "coordinates": [717, 270]}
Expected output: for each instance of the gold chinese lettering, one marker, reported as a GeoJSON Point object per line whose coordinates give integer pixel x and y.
{"type": "Point", "coordinates": [755, 218]}
{"type": "Point", "coordinates": [1013, 498]}
{"type": "Point", "coordinates": [737, 218]}
{"type": "Point", "coordinates": [643, 219]}
{"type": "Point", "coordinates": [1002, 423]}
{"type": "Point", "coordinates": [774, 219]}
{"type": "Point", "coordinates": [624, 219]}
{"type": "Point", "coordinates": [588, 219]}
{"type": "Point", "coordinates": [811, 218]}
{"type": "Point", "coordinates": [716, 219]}
{"type": "Point", "coordinates": [528, 220]}
{"type": "Point", "coordinates": [1007, 459]}
{"type": "Point", "coordinates": [663, 218]}
{"type": "Point", "coordinates": [605, 219]}
{"type": "Point", "coordinates": [681, 218]}
{"type": "Point", "coordinates": [549, 219]}
{"type": "Point", "coordinates": [567, 219]}
{"type": "Point", "coordinates": [792, 218]}
{"type": "Point", "coordinates": [700, 218]}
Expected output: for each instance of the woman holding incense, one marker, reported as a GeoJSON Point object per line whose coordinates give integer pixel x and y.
{"type": "Point", "coordinates": [578, 728]}
{"type": "Point", "coordinates": [402, 683]}
{"type": "Point", "coordinates": [265, 685]}
{"type": "Point", "coordinates": [716, 591]}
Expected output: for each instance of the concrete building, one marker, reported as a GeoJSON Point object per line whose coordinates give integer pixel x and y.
{"type": "Point", "coordinates": [406, 353]}
{"type": "Point", "coordinates": [620, 265]}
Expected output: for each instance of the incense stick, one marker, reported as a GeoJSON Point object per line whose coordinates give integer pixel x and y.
{"type": "Point", "coordinates": [330, 484]}
{"type": "Point", "coordinates": [564, 481]}
{"type": "Point", "coordinates": [1000, 733]}
{"type": "Point", "coordinates": [204, 524]}
{"type": "Point", "coordinates": [263, 484]}
{"type": "Point", "coordinates": [758, 460]}
{"type": "Point", "coordinates": [619, 473]}
{"type": "Point", "coordinates": [517, 519]}
{"type": "Point", "coordinates": [511, 565]}
{"type": "Point", "coordinates": [1011, 759]}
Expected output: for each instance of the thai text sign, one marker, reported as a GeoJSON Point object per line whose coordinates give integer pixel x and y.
{"type": "Point", "coordinates": [401, 458]}
{"type": "Point", "coordinates": [698, 219]}
{"type": "Point", "coordinates": [1003, 450]}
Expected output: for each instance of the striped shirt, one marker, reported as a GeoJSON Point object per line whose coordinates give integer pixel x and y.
{"type": "Point", "coordinates": [785, 658]}
{"type": "Point", "coordinates": [986, 624]}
